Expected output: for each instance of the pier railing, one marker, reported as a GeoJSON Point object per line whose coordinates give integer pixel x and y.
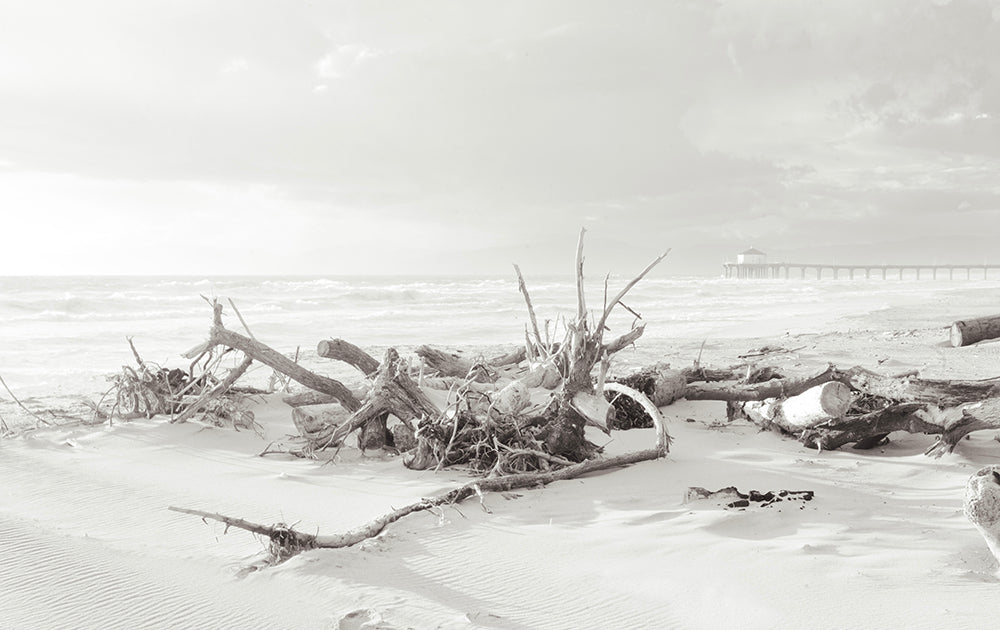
{"type": "Point", "coordinates": [812, 270]}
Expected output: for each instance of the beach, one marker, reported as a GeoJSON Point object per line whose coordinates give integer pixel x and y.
{"type": "Point", "coordinates": [88, 540]}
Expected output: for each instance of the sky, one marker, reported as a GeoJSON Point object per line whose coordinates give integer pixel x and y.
{"type": "Point", "coordinates": [460, 136]}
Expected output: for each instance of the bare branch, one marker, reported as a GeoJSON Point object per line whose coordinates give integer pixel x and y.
{"type": "Point", "coordinates": [610, 307]}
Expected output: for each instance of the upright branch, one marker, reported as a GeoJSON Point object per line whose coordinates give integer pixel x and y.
{"type": "Point", "coordinates": [577, 403]}
{"type": "Point", "coordinates": [628, 287]}
{"type": "Point", "coordinates": [581, 300]}
{"type": "Point", "coordinates": [531, 309]}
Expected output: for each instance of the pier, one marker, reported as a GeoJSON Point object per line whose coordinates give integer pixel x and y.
{"type": "Point", "coordinates": [766, 270]}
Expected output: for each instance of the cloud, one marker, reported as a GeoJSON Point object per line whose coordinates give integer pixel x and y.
{"type": "Point", "coordinates": [235, 65]}
{"type": "Point", "coordinates": [344, 60]}
{"type": "Point", "coordinates": [712, 121]}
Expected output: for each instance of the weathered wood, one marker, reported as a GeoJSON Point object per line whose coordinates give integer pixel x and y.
{"type": "Point", "coordinates": [348, 353]}
{"type": "Point", "coordinates": [374, 433]}
{"type": "Point", "coordinates": [662, 436]}
{"type": "Point", "coordinates": [951, 424]}
{"type": "Point", "coordinates": [868, 429]}
{"type": "Point", "coordinates": [577, 357]}
{"type": "Point", "coordinates": [215, 392]}
{"type": "Point", "coordinates": [452, 364]}
{"type": "Point", "coordinates": [293, 541]}
{"type": "Point", "coordinates": [775, 388]}
{"type": "Point", "coordinates": [310, 397]}
{"type": "Point", "coordinates": [961, 421]}
{"type": "Point", "coordinates": [969, 331]}
{"type": "Point", "coordinates": [811, 407]}
{"type": "Point", "coordinates": [816, 404]}
{"type": "Point", "coordinates": [982, 505]}
{"type": "Point", "coordinates": [220, 335]}
{"type": "Point", "coordinates": [393, 391]}
{"type": "Point", "coordinates": [908, 388]}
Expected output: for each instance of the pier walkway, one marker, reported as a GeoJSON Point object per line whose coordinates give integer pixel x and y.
{"type": "Point", "coordinates": [812, 270]}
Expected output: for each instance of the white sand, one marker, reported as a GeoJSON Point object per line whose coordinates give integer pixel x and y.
{"type": "Point", "coordinates": [87, 542]}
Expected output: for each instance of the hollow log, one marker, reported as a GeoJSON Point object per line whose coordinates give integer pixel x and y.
{"type": "Point", "coordinates": [969, 331]}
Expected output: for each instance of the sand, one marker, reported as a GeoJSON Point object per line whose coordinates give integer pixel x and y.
{"type": "Point", "coordinates": [87, 540]}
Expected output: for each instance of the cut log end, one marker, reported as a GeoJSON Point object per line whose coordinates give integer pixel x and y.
{"type": "Point", "coordinates": [969, 331]}
{"type": "Point", "coordinates": [835, 398]}
{"type": "Point", "coordinates": [956, 335]}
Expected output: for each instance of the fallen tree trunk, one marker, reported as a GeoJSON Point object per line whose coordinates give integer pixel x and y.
{"type": "Point", "coordinates": [286, 541]}
{"type": "Point", "coordinates": [969, 331]}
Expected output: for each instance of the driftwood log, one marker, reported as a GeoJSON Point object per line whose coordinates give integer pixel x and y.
{"type": "Point", "coordinates": [969, 331]}
{"type": "Point", "coordinates": [879, 404]}
{"type": "Point", "coordinates": [813, 406]}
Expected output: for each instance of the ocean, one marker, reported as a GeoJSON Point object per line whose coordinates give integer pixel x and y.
{"type": "Point", "coordinates": [61, 337]}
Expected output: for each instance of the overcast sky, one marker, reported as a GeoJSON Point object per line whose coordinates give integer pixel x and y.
{"type": "Point", "coordinates": [458, 136]}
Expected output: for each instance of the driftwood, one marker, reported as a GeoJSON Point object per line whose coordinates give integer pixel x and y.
{"type": "Point", "coordinates": [451, 364]}
{"type": "Point", "coordinates": [582, 350]}
{"type": "Point", "coordinates": [308, 397]}
{"type": "Point", "coordinates": [348, 353]}
{"type": "Point", "coordinates": [213, 393]}
{"type": "Point", "coordinates": [374, 433]}
{"type": "Point", "coordinates": [970, 331]}
{"type": "Point", "coordinates": [393, 392]}
{"type": "Point", "coordinates": [879, 404]}
{"type": "Point", "coordinates": [982, 505]}
{"type": "Point", "coordinates": [815, 405]}
{"type": "Point", "coordinates": [286, 541]}
{"type": "Point", "coordinates": [220, 335]}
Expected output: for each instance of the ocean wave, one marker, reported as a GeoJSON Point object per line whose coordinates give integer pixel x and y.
{"type": "Point", "coordinates": [53, 315]}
